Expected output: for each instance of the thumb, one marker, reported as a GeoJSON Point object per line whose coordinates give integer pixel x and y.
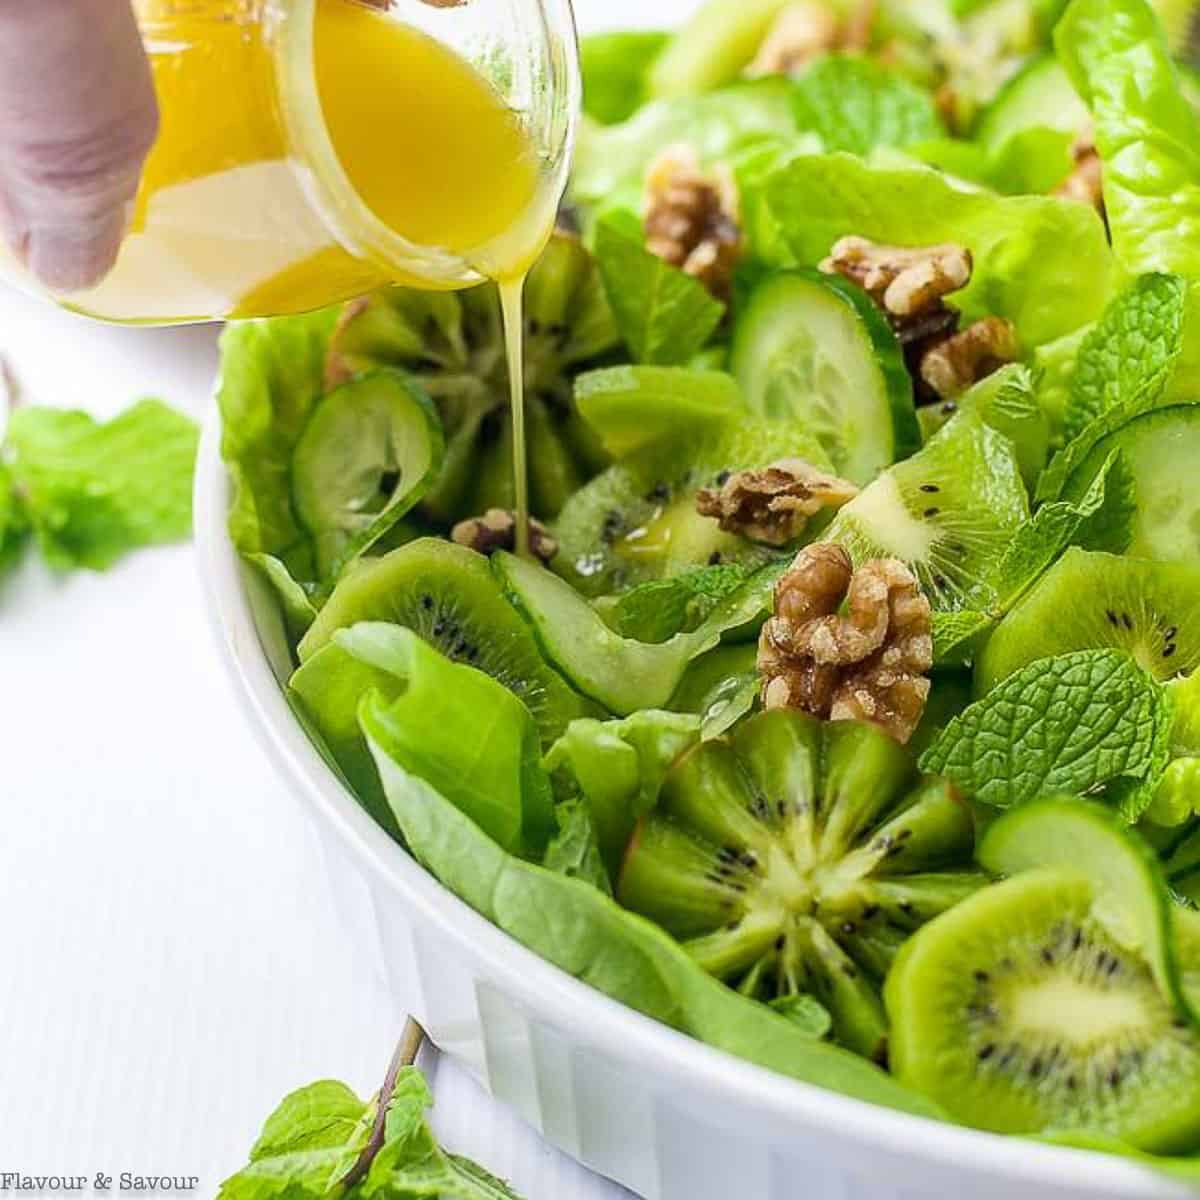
{"type": "Point", "coordinates": [77, 119]}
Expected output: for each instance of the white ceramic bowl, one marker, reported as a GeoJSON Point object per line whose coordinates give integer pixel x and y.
{"type": "Point", "coordinates": [663, 1114]}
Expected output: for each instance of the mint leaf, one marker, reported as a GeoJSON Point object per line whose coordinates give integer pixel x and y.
{"type": "Point", "coordinates": [321, 1116]}
{"type": "Point", "coordinates": [1072, 723]}
{"type": "Point", "coordinates": [575, 851]}
{"type": "Point", "coordinates": [956, 635]}
{"type": "Point", "coordinates": [855, 105]}
{"type": "Point", "coordinates": [664, 316]}
{"type": "Point", "coordinates": [658, 610]}
{"type": "Point", "coordinates": [92, 492]}
{"type": "Point", "coordinates": [1055, 526]}
{"type": "Point", "coordinates": [1131, 351]}
{"type": "Point", "coordinates": [1071, 457]}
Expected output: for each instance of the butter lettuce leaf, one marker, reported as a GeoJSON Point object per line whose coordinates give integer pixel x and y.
{"type": "Point", "coordinates": [616, 69]}
{"type": "Point", "coordinates": [460, 730]}
{"type": "Point", "coordinates": [92, 491]}
{"type": "Point", "coordinates": [1116, 54]}
{"type": "Point", "coordinates": [1030, 251]}
{"type": "Point", "coordinates": [272, 375]}
{"type": "Point", "coordinates": [14, 523]}
{"type": "Point", "coordinates": [575, 850]}
{"type": "Point", "coordinates": [1073, 723]}
{"type": "Point", "coordinates": [610, 161]}
{"type": "Point", "coordinates": [618, 767]}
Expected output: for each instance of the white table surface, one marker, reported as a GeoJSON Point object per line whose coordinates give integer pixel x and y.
{"type": "Point", "coordinates": [170, 961]}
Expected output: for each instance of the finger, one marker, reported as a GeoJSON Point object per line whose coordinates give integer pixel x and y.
{"type": "Point", "coordinates": [77, 119]}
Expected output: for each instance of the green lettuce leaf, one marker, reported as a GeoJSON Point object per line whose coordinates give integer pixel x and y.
{"type": "Point", "coordinates": [325, 693]}
{"type": "Point", "coordinates": [1073, 724]}
{"type": "Point", "coordinates": [575, 850]}
{"type": "Point", "coordinates": [14, 524]}
{"type": "Point", "coordinates": [616, 67]}
{"type": "Point", "coordinates": [1116, 54]}
{"type": "Point", "coordinates": [1130, 352]}
{"type": "Point", "coordinates": [665, 316]}
{"type": "Point", "coordinates": [93, 492]}
{"type": "Point", "coordinates": [854, 104]}
{"type": "Point", "coordinates": [1030, 251]}
{"type": "Point", "coordinates": [583, 932]}
{"type": "Point", "coordinates": [618, 768]}
{"type": "Point", "coordinates": [272, 375]}
{"type": "Point", "coordinates": [610, 162]}
{"type": "Point", "coordinates": [1029, 162]}
{"type": "Point", "coordinates": [460, 730]}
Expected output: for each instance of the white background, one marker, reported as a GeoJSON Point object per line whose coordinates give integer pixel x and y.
{"type": "Point", "coordinates": [170, 965]}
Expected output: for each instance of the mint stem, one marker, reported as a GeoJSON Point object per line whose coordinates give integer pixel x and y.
{"type": "Point", "coordinates": [411, 1041]}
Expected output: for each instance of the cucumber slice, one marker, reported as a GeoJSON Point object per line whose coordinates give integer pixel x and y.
{"type": "Point", "coordinates": [632, 407]}
{"type": "Point", "coordinates": [714, 46]}
{"type": "Point", "coordinates": [622, 674]}
{"type": "Point", "coordinates": [1132, 900]}
{"type": "Point", "coordinates": [1040, 95]}
{"type": "Point", "coordinates": [814, 349]}
{"type": "Point", "coordinates": [370, 451]}
{"type": "Point", "coordinates": [1159, 451]}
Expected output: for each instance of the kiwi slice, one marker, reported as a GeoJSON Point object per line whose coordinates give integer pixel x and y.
{"type": "Point", "coordinates": [448, 595]}
{"type": "Point", "coordinates": [1159, 452]}
{"type": "Point", "coordinates": [1089, 600]}
{"type": "Point", "coordinates": [948, 512]}
{"type": "Point", "coordinates": [370, 450]}
{"type": "Point", "coordinates": [638, 522]}
{"type": "Point", "coordinates": [453, 345]}
{"type": "Point", "coordinates": [795, 857]}
{"type": "Point", "coordinates": [1019, 1012]}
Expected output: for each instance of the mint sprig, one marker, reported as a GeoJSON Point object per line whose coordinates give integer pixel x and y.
{"type": "Point", "coordinates": [1075, 723]}
{"type": "Point", "coordinates": [324, 1141]}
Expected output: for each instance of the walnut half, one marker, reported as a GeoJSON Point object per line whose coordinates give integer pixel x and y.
{"type": "Point", "coordinates": [802, 32]}
{"type": "Point", "coordinates": [773, 504]}
{"type": "Point", "coordinates": [953, 364]}
{"type": "Point", "coordinates": [870, 663]}
{"type": "Point", "coordinates": [905, 281]}
{"type": "Point", "coordinates": [497, 530]}
{"type": "Point", "coordinates": [691, 218]}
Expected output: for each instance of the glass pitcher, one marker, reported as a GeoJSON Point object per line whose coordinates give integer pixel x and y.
{"type": "Point", "coordinates": [310, 150]}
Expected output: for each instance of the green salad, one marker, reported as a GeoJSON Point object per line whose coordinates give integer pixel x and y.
{"type": "Point", "coordinates": [842, 715]}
